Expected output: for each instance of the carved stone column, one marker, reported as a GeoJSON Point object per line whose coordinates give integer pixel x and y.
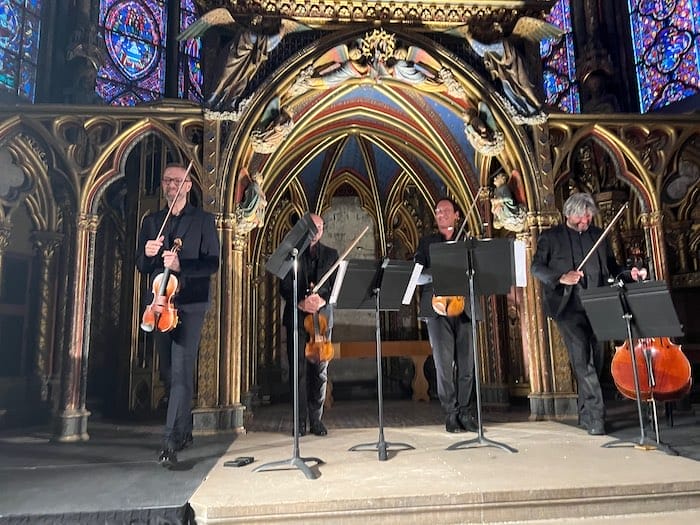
{"type": "Point", "coordinates": [551, 384]}
{"type": "Point", "coordinates": [654, 233]}
{"type": "Point", "coordinates": [71, 421]}
{"type": "Point", "coordinates": [5, 232]}
{"type": "Point", "coordinates": [45, 245]}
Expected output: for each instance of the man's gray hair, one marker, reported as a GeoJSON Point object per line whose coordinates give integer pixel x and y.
{"type": "Point", "coordinates": [579, 204]}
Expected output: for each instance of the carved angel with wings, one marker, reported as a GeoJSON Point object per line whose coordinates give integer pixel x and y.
{"type": "Point", "coordinates": [505, 63]}
{"type": "Point", "coordinates": [250, 42]}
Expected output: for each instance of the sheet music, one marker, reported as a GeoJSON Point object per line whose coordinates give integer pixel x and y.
{"type": "Point", "coordinates": [417, 269]}
{"type": "Point", "coordinates": [339, 276]}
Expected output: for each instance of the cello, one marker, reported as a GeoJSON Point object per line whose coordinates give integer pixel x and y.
{"type": "Point", "coordinates": [663, 370]}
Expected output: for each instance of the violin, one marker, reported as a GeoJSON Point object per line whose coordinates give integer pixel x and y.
{"type": "Point", "coordinates": [161, 314]}
{"type": "Point", "coordinates": [319, 348]}
{"type": "Point", "coordinates": [663, 370]}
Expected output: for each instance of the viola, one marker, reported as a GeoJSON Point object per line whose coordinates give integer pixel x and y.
{"type": "Point", "coordinates": [161, 314]}
{"type": "Point", "coordinates": [449, 305]}
{"type": "Point", "coordinates": [319, 348]}
{"type": "Point", "coordinates": [658, 357]}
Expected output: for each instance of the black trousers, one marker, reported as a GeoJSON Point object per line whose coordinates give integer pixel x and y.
{"type": "Point", "coordinates": [450, 340]}
{"type": "Point", "coordinates": [177, 352]}
{"type": "Point", "coordinates": [587, 357]}
{"type": "Point", "coordinates": [313, 378]}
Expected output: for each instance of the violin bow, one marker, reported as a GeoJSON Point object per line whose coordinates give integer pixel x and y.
{"type": "Point", "coordinates": [170, 208]}
{"type": "Point", "coordinates": [567, 289]}
{"type": "Point", "coordinates": [602, 237]}
{"type": "Point", "coordinates": [330, 271]}
{"type": "Point", "coordinates": [469, 212]}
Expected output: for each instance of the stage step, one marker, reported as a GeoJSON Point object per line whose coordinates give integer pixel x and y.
{"type": "Point", "coordinates": [558, 473]}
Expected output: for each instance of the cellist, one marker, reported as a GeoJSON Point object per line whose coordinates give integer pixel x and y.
{"type": "Point", "coordinates": [193, 265]}
{"type": "Point", "coordinates": [569, 257]}
{"type": "Point", "coordinates": [313, 264]}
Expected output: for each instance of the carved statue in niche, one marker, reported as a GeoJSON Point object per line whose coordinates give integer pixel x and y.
{"type": "Point", "coordinates": [597, 98]}
{"type": "Point", "coordinates": [274, 126]}
{"type": "Point", "coordinates": [244, 47]}
{"type": "Point", "coordinates": [507, 212]}
{"type": "Point", "coordinates": [504, 61]}
{"type": "Point", "coordinates": [481, 130]}
{"type": "Point", "coordinates": [250, 202]}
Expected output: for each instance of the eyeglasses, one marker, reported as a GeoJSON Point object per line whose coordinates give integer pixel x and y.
{"type": "Point", "coordinates": [169, 180]}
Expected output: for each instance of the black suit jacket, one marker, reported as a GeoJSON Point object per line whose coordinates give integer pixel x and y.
{"type": "Point", "coordinates": [199, 255]}
{"type": "Point", "coordinates": [422, 256]}
{"type": "Point", "coordinates": [326, 259]}
{"type": "Point", "coordinates": [554, 257]}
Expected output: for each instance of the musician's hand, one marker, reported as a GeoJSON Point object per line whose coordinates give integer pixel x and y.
{"type": "Point", "coordinates": [153, 246]}
{"type": "Point", "coordinates": [638, 274]}
{"type": "Point", "coordinates": [171, 260]}
{"type": "Point", "coordinates": [571, 277]}
{"type": "Point", "coordinates": [312, 304]}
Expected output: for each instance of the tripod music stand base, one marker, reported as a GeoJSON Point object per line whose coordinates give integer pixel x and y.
{"type": "Point", "coordinates": [480, 440]}
{"type": "Point", "coordinates": [289, 464]}
{"type": "Point", "coordinates": [381, 448]}
{"type": "Point", "coordinates": [645, 444]}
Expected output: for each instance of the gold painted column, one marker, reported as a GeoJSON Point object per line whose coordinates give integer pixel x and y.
{"type": "Point", "coordinates": [45, 245]}
{"type": "Point", "coordinates": [70, 423]}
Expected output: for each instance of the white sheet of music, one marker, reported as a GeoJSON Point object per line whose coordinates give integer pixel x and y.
{"type": "Point", "coordinates": [520, 265]}
{"type": "Point", "coordinates": [417, 270]}
{"type": "Point", "coordinates": [339, 276]}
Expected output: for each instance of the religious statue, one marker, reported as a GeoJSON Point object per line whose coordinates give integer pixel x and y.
{"type": "Point", "coordinates": [250, 207]}
{"type": "Point", "coordinates": [505, 63]}
{"type": "Point", "coordinates": [481, 130]}
{"type": "Point", "coordinates": [507, 213]}
{"type": "Point", "coordinates": [244, 53]}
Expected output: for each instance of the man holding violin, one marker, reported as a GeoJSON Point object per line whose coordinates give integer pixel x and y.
{"type": "Point", "coordinates": [570, 257]}
{"type": "Point", "coordinates": [449, 332]}
{"type": "Point", "coordinates": [193, 266]}
{"type": "Point", "coordinates": [313, 264]}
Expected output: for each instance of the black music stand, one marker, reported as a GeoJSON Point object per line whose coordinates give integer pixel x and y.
{"type": "Point", "coordinates": [489, 265]}
{"type": "Point", "coordinates": [363, 284]}
{"type": "Point", "coordinates": [646, 310]}
{"type": "Point", "coordinates": [286, 257]}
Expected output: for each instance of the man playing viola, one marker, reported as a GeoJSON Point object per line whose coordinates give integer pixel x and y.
{"type": "Point", "coordinates": [313, 264]}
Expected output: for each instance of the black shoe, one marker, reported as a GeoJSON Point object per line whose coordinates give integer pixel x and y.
{"type": "Point", "coordinates": [318, 429]}
{"type": "Point", "coordinates": [597, 428]}
{"type": "Point", "coordinates": [187, 441]}
{"type": "Point", "coordinates": [167, 458]}
{"type": "Point", "coordinates": [302, 429]}
{"type": "Point", "coordinates": [468, 422]}
{"type": "Point", "coordinates": [452, 423]}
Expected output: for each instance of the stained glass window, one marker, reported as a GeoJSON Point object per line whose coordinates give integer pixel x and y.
{"type": "Point", "coordinates": [20, 25]}
{"type": "Point", "coordinates": [665, 36]}
{"type": "Point", "coordinates": [135, 35]}
{"type": "Point", "coordinates": [560, 85]}
{"type": "Point", "coordinates": [189, 70]}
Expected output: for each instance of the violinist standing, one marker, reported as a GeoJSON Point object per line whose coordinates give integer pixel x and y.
{"type": "Point", "coordinates": [450, 337]}
{"type": "Point", "coordinates": [313, 263]}
{"type": "Point", "coordinates": [560, 251]}
{"type": "Point", "coordinates": [193, 266]}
